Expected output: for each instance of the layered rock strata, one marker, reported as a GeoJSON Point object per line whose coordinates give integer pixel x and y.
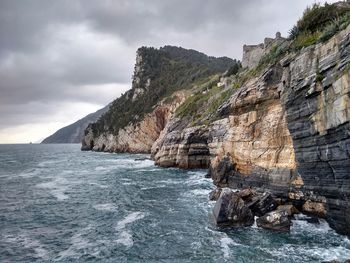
{"type": "Point", "coordinates": [286, 131]}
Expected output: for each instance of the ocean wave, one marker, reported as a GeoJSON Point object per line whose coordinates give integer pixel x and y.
{"type": "Point", "coordinates": [106, 207]}
{"type": "Point", "coordinates": [125, 238]}
{"type": "Point", "coordinates": [56, 188]}
{"type": "Point", "coordinates": [225, 243]}
{"type": "Point", "coordinates": [29, 243]}
{"type": "Point", "coordinates": [78, 244]}
{"type": "Point", "coordinates": [130, 219]}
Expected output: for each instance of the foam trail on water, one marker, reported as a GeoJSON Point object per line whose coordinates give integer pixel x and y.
{"type": "Point", "coordinates": [125, 238]}
{"type": "Point", "coordinates": [129, 219]}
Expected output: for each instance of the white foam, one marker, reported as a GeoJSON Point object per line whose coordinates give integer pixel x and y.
{"type": "Point", "coordinates": [57, 188]}
{"type": "Point", "coordinates": [27, 242]}
{"type": "Point", "coordinates": [200, 192]}
{"type": "Point", "coordinates": [77, 243]}
{"type": "Point", "coordinates": [99, 185]}
{"type": "Point", "coordinates": [125, 238]}
{"type": "Point", "coordinates": [101, 168]}
{"type": "Point", "coordinates": [129, 219]}
{"type": "Point", "coordinates": [47, 163]}
{"type": "Point", "coordinates": [29, 174]}
{"type": "Point", "coordinates": [254, 224]}
{"type": "Point", "coordinates": [321, 253]}
{"type": "Point", "coordinates": [302, 225]}
{"type": "Point", "coordinates": [153, 187]}
{"type": "Point", "coordinates": [225, 242]}
{"type": "Point", "coordinates": [106, 207]}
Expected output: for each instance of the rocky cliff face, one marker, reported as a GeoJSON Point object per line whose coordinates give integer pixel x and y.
{"type": "Point", "coordinates": [286, 131]}
{"type": "Point", "coordinates": [135, 137]}
{"type": "Point", "coordinates": [161, 77]}
{"type": "Point", "coordinates": [316, 96]}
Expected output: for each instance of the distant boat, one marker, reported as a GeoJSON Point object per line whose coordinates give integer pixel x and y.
{"type": "Point", "coordinates": [30, 143]}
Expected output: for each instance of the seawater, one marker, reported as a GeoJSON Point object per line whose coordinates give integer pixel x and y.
{"type": "Point", "coordinates": [58, 204]}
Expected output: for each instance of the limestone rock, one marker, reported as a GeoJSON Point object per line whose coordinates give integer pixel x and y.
{"type": "Point", "coordinates": [289, 209]}
{"type": "Point", "coordinates": [276, 220]}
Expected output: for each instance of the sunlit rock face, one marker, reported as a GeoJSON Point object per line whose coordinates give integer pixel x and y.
{"type": "Point", "coordinates": [135, 137]}
{"type": "Point", "coordinates": [286, 130]}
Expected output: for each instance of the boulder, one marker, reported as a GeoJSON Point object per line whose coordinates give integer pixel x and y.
{"type": "Point", "coordinates": [276, 220]}
{"type": "Point", "coordinates": [215, 194]}
{"type": "Point", "coordinates": [262, 204]}
{"type": "Point", "coordinates": [247, 194]}
{"type": "Point", "coordinates": [315, 208]}
{"type": "Point", "coordinates": [290, 209]}
{"type": "Point", "coordinates": [230, 209]}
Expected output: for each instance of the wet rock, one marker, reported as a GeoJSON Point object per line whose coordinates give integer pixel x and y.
{"type": "Point", "coordinates": [262, 204]}
{"type": "Point", "coordinates": [230, 209]}
{"type": "Point", "coordinates": [315, 208]}
{"type": "Point", "coordinates": [276, 220]}
{"type": "Point", "coordinates": [215, 194]}
{"type": "Point", "coordinates": [289, 209]}
{"type": "Point", "coordinates": [222, 171]}
{"type": "Point", "coordinates": [247, 194]}
{"type": "Point", "coordinates": [85, 148]}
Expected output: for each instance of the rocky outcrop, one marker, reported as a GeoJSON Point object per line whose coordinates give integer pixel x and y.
{"type": "Point", "coordinates": [278, 220]}
{"type": "Point", "coordinates": [135, 137]}
{"type": "Point", "coordinates": [182, 147]}
{"type": "Point", "coordinates": [230, 209]}
{"type": "Point", "coordinates": [135, 120]}
{"type": "Point", "coordinates": [240, 208]}
{"type": "Point", "coordinates": [286, 131]}
{"type": "Point", "coordinates": [252, 139]}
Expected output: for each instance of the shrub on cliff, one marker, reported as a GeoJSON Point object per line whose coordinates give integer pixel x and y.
{"type": "Point", "coordinates": [317, 17]}
{"type": "Point", "coordinates": [319, 23]}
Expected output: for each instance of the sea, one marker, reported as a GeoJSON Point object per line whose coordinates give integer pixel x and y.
{"type": "Point", "coordinates": [59, 204]}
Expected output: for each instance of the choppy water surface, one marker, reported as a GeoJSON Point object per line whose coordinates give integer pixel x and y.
{"type": "Point", "coordinates": [60, 204]}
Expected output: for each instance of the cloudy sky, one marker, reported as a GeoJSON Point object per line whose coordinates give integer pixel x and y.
{"type": "Point", "coordinates": [63, 59]}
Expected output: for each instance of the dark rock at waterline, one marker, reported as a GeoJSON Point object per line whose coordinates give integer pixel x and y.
{"type": "Point", "coordinates": [230, 209]}
{"type": "Point", "coordinates": [247, 194]}
{"type": "Point", "coordinates": [142, 159]}
{"type": "Point", "coordinates": [278, 220]}
{"type": "Point", "coordinates": [222, 172]}
{"type": "Point", "coordinates": [215, 194]}
{"type": "Point", "coordinates": [85, 148]}
{"type": "Point", "coordinates": [262, 204]}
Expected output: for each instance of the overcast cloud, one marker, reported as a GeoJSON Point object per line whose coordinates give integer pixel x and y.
{"type": "Point", "coordinates": [60, 60]}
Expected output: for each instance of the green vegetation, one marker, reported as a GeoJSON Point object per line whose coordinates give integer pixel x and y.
{"type": "Point", "coordinates": [158, 74]}
{"type": "Point", "coordinates": [202, 107]}
{"type": "Point", "coordinates": [319, 23]}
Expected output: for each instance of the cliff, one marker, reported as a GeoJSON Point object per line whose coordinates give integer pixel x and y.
{"type": "Point", "coordinates": [161, 78]}
{"type": "Point", "coordinates": [285, 130]}
{"type": "Point", "coordinates": [281, 125]}
{"type": "Point", "coordinates": [74, 132]}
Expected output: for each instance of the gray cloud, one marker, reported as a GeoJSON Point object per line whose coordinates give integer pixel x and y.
{"type": "Point", "coordinates": [57, 53]}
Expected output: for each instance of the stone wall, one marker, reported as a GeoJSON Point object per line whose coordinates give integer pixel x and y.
{"type": "Point", "coordinates": [253, 53]}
